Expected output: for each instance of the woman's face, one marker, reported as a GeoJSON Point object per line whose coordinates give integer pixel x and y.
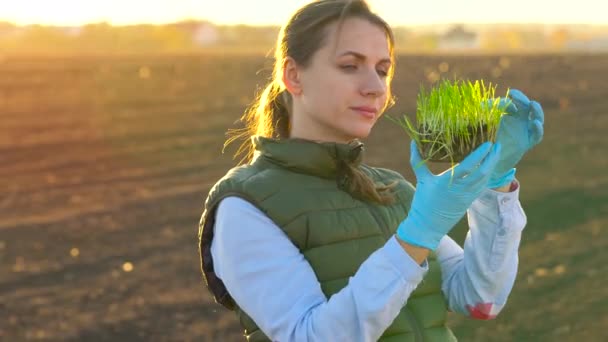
{"type": "Point", "coordinates": [344, 88]}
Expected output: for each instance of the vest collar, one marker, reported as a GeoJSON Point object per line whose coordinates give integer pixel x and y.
{"type": "Point", "coordinates": [321, 159]}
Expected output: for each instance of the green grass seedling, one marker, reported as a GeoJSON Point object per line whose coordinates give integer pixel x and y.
{"type": "Point", "coordinates": [454, 118]}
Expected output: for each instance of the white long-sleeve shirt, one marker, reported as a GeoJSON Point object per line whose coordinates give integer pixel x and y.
{"type": "Point", "coordinates": [273, 283]}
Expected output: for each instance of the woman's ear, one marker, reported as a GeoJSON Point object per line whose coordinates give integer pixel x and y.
{"type": "Point", "coordinates": [291, 76]}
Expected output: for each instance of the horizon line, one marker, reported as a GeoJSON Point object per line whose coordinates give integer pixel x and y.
{"type": "Point", "coordinates": [144, 23]}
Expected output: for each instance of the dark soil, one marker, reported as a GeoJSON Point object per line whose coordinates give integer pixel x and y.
{"type": "Point", "coordinates": [105, 164]}
{"type": "Point", "coordinates": [437, 150]}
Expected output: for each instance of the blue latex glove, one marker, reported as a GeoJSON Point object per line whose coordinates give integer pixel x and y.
{"type": "Point", "coordinates": [520, 129]}
{"type": "Point", "coordinates": [440, 201]}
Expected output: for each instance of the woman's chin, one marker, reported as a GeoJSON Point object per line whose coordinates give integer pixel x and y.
{"type": "Point", "coordinates": [360, 132]}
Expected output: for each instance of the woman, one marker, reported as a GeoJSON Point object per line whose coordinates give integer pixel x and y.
{"type": "Point", "coordinates": [305, 242]}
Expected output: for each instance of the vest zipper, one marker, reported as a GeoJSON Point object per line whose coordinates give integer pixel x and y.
{"type": "Point", "coordinates": [409, 315]}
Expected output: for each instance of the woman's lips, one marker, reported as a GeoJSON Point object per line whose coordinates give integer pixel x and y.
{"type": "Point", "coordinates": [367, 112]}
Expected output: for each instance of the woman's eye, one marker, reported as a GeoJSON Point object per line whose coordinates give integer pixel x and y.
{"type": "Point", "coordinates": [349, 67]}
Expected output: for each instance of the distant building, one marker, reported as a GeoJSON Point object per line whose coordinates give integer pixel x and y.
{"type": "Point", "coordinates": [599, 44]}
{"type": "Point", "coordinates": [458, 38]}
{"type": "Point", "coordinates": [71, 31]}
{"type": "Point", "coordinates": [205, 35]}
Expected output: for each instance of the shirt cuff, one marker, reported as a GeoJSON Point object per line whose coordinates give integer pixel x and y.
{"type": "Point", "coordinates": [409, 269]}
{"type": "Point", "coordinates": [501, 201]}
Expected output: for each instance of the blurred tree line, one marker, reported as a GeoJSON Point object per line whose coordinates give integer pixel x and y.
{"type": "Point", "coordinates": [200, 36]}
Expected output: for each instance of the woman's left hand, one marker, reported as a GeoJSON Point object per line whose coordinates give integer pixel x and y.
{"type": "Point", "coordinates": [520, 129]}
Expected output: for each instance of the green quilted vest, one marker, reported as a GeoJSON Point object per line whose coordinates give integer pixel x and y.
{"type": "Point", "coordinates": [300, 185]}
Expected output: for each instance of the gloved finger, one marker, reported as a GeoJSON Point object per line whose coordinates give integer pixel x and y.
{"type": "Point", "coordinates": [472, 161]}
{"type": "Point", "coordinates": [507, 105]}
{"type": "Point", "coordinates": [521, 101]}
{"type": "Point", "coordinates": [536, 132]}
{"type": "Point", "coordinates": [418, 165]}
{"type": "Point", "coordinates": [481, 175]}
{"type": "Point", "coordinates": [536, 111]}
{"type": "Point", "coordinates": [488, 164]}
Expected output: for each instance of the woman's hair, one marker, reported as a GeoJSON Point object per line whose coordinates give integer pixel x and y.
{"type": "Point", "coordinates": [300, 38]}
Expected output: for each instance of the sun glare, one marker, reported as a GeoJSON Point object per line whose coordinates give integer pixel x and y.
{"type": "Point", "coordinates": [42, 12]}
{"type": "Point", "coordinates": [265, 12]}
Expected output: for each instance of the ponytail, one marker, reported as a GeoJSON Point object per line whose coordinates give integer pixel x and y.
{"type": "Point", "coordinates": [269, 117]}
{"type": "Point", "coordinates": [362, 187]}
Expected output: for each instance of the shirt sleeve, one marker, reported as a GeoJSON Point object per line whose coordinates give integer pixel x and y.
{"type": "Point", "coordinates": [478, 280]}
{"type": "Point", "coordinates": [273, 283]}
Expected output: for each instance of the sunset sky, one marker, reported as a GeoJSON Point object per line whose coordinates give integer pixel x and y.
{"type": "Point", "coordinates": [257, 12]}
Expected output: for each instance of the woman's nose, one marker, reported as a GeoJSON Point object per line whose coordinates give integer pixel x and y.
{"type": "Point", "coordinates": [373, 85]}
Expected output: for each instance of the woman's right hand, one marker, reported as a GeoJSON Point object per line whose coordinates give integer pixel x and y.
{"type": "Point", "coordinates": [440, 201]}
